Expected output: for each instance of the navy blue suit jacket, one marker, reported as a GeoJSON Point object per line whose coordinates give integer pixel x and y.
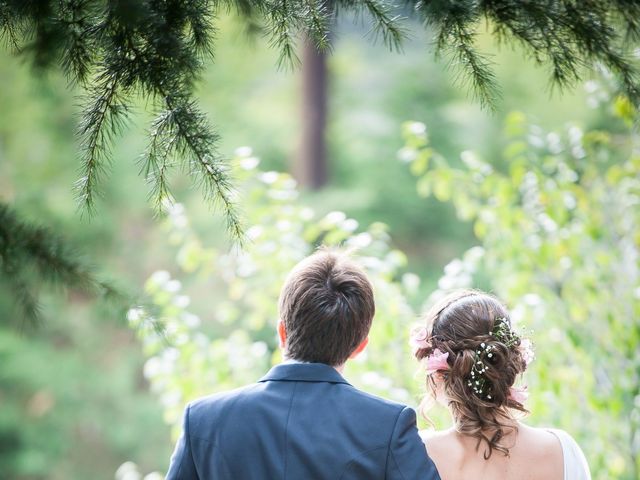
{"type": "Point", "coordinates": [302, 421]}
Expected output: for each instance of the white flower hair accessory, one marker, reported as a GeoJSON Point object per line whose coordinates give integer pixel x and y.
{"type": "Point", "coordinates": [476, 380]}
{"type": "Point", "coordinates": [502, 332]}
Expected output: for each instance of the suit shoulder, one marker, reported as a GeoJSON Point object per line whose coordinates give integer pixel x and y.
{"type": "Point", "coordinates": [380, 403]}
{"type": "Point", "coordinates": [218, 401]}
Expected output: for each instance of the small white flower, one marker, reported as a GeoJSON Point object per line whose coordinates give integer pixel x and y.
{"type": "Point", "coordinates": [153, 476]}
{"type": "Point", "coordinates": [249, 163]}
{"type": "Point", "coordinates": [335, 217]}
{"type": "Point", "coordinates": [173, 286]}
{"type": "Point", "coordinates": [350, 225]}
{"type": "Point", "coordinates": [269, 177]}
{"type": "Point", "coordinates": [134, 314]}
{"type": "Point", "coordinates": [160, 277]}
{"type": "Point", "coordinates": [182, 301]}
{"type": "Point", "coordinates": [417, 128]}
{"type": "Point", "coordinates": [243, 152]}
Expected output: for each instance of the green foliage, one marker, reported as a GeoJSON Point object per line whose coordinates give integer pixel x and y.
{"type": "Point", "coordinates": [558, 227]}
{"type": "Point", "coordinates": [559, 232]}
{"type": "Point", "coordinates": [116, 50]}
{"type": "Point", "coordinates": [563, 35]}
{"type": "Point", "coordinates": [31, 255]}
{"type": "Point", "coordinates": [237, 344]}
{"type": "Point", "coordinates": [100, 367]}
{"type": "Point", "coordinates": [371, 92]}
{"type": "Point", "coordinates": [120, 49]}
{"type": "Point", "coordinates": [559, 244]}
{"type": "Point", "coordinates": [72, 403]}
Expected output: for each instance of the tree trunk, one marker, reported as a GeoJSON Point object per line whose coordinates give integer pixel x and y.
{"type": "Point", "coordinates": [310, 165]}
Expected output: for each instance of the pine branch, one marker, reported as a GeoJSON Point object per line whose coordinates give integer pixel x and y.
{"type": "Point", "coordinates": [183, 129]}
{"type": "Point", "coordinates": [196, 140]}
{"type": "Point", "coordinates": [201, 26]}
{"type": "Point", "coordinates": [628, 75]}
{"type": "Point", "coordinates": [101, 121]}
{"type": "Point", "coordinates": [386, 25]}
{"type": "Point", "coordinates": [25, 298]}
{"type": "Point", "coordinates": [156, 163]}
{"type": "Point", "coordinates": [455, 37]}
{"type": "Point", "coordinates": [78, 56]}
{"type": "Point", "coordinates": [31, 255]}
{"type": "Point", "coordinates": [567, 36]}
{"type": "Point", "coordinates": [629, 11]}
{"type": "Point", "coordinates": [571, 37]}
{"type": "Point", "coordinates": [317, 23]}
{"type": "Point", "coordinates": [474, 67]}
{"type": "Point", "coordinates": [10, 28]}
{"type": "Point", "coordinates": [156, 49]}
{"type": "Point", "coordinates": [284, 22]}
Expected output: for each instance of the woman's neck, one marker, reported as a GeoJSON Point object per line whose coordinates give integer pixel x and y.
{"type": "Point", "coordinates": [504, 434]}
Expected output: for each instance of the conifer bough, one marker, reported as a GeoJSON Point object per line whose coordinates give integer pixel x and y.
{"type": "Point", "coordinates": [31, 255]}
{"type": "Point", "coordinates": [120, 49]}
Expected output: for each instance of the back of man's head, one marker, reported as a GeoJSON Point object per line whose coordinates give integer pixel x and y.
{"type": "Point", "coordinates": [327, 307]}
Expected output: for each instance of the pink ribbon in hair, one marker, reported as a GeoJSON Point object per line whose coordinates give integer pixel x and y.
{"type": "Point", "coordinates": [436, 361]}
{"type": "Point", "coordinates": [518, 394]}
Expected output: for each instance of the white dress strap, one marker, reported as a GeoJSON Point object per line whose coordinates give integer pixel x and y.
{"type": "Point", "coordinates": [575, 463]}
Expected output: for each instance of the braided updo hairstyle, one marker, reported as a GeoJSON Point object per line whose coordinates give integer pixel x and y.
{"type": "Point", "coordinates": [463, 325]}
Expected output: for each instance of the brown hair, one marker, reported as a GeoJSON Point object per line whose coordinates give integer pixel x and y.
{"type": "Point", "coordinates": [327, 308]}
{"type": "Point", "coordinates": [462, 324]}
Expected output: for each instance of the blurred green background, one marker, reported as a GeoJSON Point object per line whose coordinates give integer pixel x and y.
{"type": "Point", "coordinates": [85, 392]}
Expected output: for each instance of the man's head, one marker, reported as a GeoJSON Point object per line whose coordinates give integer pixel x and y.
{"type": "Point", "coordinates": [326, 309]}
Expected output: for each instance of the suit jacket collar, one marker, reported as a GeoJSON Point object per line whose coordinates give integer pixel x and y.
{"type": "Point", "coordinates": [304, 372]}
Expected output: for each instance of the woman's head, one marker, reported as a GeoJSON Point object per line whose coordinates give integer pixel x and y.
{"type": "Point", "coordinates": [484, 357]}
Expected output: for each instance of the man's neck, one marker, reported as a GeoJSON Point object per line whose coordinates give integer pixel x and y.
{"type": "Point", "coordinates": [287, 359]}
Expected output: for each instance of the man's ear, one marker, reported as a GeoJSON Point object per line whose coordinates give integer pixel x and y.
{"type": "Point", "coordinates": [359, 348]}
{"type": "Point", "coordinates": [282, 334]}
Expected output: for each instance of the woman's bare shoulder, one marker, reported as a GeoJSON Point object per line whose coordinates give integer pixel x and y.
{"type": "Point", "coordinates": [435, 435]}
{"type": "Point", "coordinates": [540, 448]}
{"type": "Point", "coordinates": [543, 438]}
{"type": "Point", "coordinates": [440, 442]}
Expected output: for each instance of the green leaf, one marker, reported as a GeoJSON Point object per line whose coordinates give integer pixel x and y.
{"type": "Point", "coordinates": [442, 187]}
{"type": "Point", "coordinates": [421, 163]}
{"type": "Point", "coordinates": [624, 109]}
{"type": "Point", "coordinates": [423, 186]}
